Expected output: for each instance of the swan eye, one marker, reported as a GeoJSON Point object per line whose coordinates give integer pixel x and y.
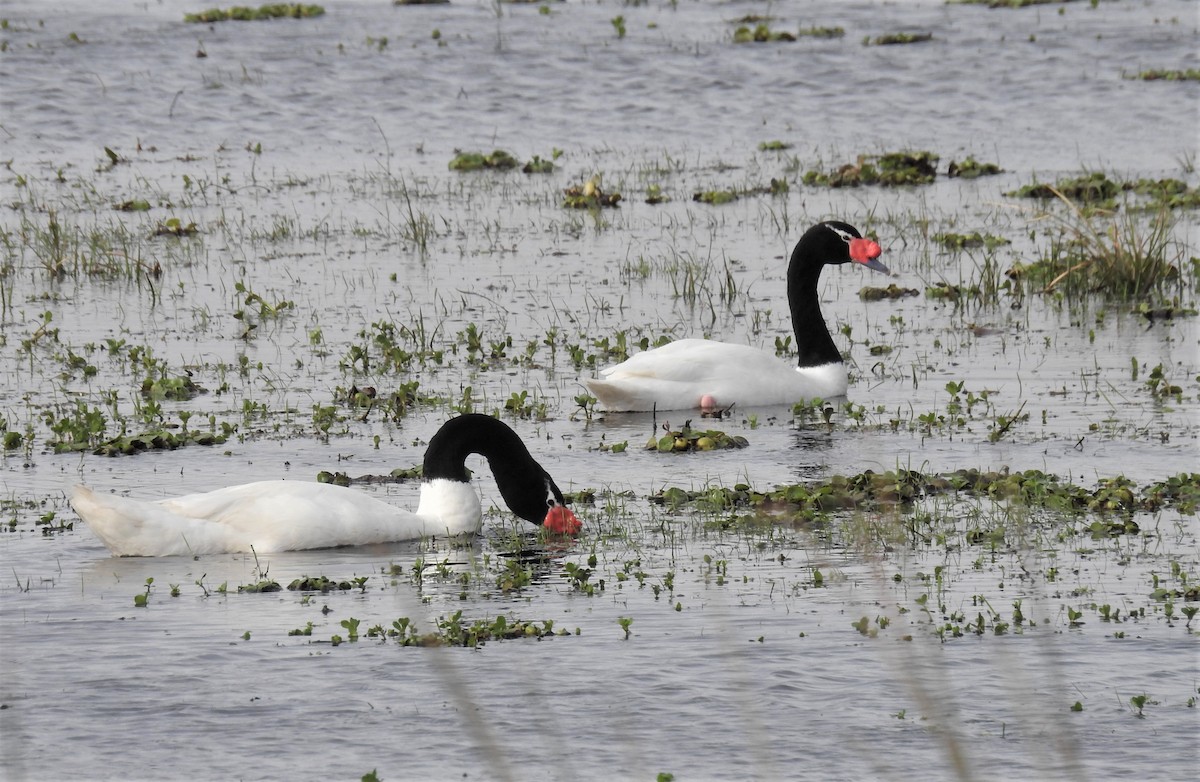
{"type": "Point", "coordinates": [846, 237]}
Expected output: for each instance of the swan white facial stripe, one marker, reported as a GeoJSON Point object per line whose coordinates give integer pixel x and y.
{"type": "Point", "coordinates": [846, 237]}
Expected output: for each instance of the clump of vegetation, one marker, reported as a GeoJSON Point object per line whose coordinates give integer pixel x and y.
{"type": "Point", "coordinates": [324, 584]}
{"type": "Point", "coordinates": [761, 33]}
{"type": "Point", "coordinates": [972, 169]}
{"type": "Point", "coordinates": [1032, 488]}
{"type": "Point", "coordinates": [175, 227]}
{"type": "Point", "coordinates": [1168, 193]}
{"type": "Point", "coordinates": [715, 197]}
{"type": "Point", "coordinates": [240, 13]}
{"type": "Point", "coordinates": [895, 39]}
{"type": "Point", "coordinates": [589, 196]}
{"type": "Point", "coordinates": [1095, 188]}
{"type": "Point", "coordinates": [453, 630]}
{"type": "Point", "coordinates": [655, 195]}
{"type": "Point", "coordinates": [161, 440]}
{"type": "Point", "coordinates": [687, 439]}
{"type": "Point", "coordinates": [889, 170]}
{"type": "Point", "coordinates": [821, 32]}
{"type": "Point", "coordinates": [476, 161]}
{"type": "Point", "coordinates": [893, 291]}
{"type": "Point", "coordinates": [773, 146]}
{"type": "Point", "coordinates": [956, 241]}
{"type": "Point", "coordinates": [1009, 3]}
{"type": "Point", "coordinates": [266, 585]}
{"type": "Point", "coordinates": [538, 166]}
{"type": "Point", "coordinates": [420, 2]}
{"type": "Point", "coordinates": [1126, 257]}
{"type": "Point", "coordinates": [1160, 74]}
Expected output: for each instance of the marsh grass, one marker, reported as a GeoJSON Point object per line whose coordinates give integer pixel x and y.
{"type": "Point", "coordinates": [1125, 257]}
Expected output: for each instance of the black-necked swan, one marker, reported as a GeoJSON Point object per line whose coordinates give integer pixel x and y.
{"type": "Point", "coordinates": [701, 373]}
{"type": "Point", "coordinates": [271, 516]}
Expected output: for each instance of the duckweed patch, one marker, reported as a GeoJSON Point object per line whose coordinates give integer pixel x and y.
{"type": "Point", "coordinates": [240, 13]}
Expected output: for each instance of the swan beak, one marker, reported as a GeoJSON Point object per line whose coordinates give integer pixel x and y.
{"type": "Point", "coordinates": [875, 265]}
{"type": "Point", "coordinates": [561, 521]}
{"type": "Point", "coordinates": [867, 253]}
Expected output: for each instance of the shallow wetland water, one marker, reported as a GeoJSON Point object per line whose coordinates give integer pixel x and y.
{"type": "Point", "coordinates": [222, 249]}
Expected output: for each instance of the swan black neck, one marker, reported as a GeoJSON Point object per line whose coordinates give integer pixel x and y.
{"type": "Point", "coordinates": [819, 246]}
{"type": "Point", "coordinates": [527, 488]}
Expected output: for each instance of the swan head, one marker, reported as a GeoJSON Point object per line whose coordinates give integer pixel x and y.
{"type": "Point", "coordinates": [527, 488]}
{"type": "Point", "coordinates": [551, 512]}
{"type": "Point", "coordinates": [846, 244]}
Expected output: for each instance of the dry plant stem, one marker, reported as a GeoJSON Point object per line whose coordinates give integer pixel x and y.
{"type": "Point", "coordinates": [1050, 285]}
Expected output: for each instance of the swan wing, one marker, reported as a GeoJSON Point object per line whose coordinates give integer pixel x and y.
{"type": "Point", "coordinates": [268, 516]}
{"type": "Point", "coordinates": [678, 375]}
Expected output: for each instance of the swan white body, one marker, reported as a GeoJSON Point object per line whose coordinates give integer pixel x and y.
{"type": "Point", "coordinates": [271, 516]}
{"type": "Point", "coordinates": [678, 375]}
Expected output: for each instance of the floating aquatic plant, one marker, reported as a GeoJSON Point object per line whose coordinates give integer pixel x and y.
{"type": "Point", "coordinates": [688, 439]}
{"type": "Point", "coordinates": [890, 170]}
{"type": "Point", "coordinates": [817, 31]}
{"type": "Point", "coordinates": [972, 169]}
{"type": "Point", "coordinates": [476, 161]}
{"type": "Point", "coordinates": [761, 33]}
{"type": "Point", "coordinates": [895, 39]}
{"type": "Point", "coordinates": [1095, 188]}
{"type": "Point", "coordinates": [173, 226]}
{"type": "Point", "coordinates": [1160, 74]}
{"type": "Point", "coordinates": [892, 291]}
{"type": "Point", "coordinates": [957, 241]}
{"type": "Point", "coordinates": [1011, 3]}
{"type": "Point", "coordinates": [240, 13]}
{"type": "Point", "coordinates": [162, 440]}
{"type": "Point", "coordinates": [589, 196]}
{"type": "Point", "coordinates": [1031, 488]}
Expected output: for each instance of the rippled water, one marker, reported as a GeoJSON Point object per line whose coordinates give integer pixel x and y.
{"type": "Point", "coordinates": [758, 674]}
